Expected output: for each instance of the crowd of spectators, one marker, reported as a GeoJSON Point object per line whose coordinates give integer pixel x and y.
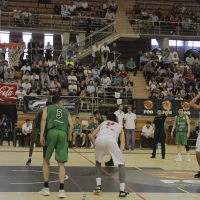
{"type": "Point", "coordinates": [169, 77]}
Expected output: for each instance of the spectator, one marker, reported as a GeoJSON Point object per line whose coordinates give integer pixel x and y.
{"type": "Point", "coordinates": [96, 74]}
{"type": "Point", "coordinates": [153, 96]}
{"type": "Point", "coordinates": [57, 8]}
{"type": "Point", "coordinates": [113, 7]}
{"type": "Point", "coordinates": [34, 77]}
{"type": "Point", "coordinates": [130, 121]}
{"type": "Point", "coordinates": [45, 78]}
{"type": "Point", "coordinates": [190, 60]}
{"type": "Point", "coordinates": [40, 52]}
{"type": "Point", "coordinates": [65, 13]}
{"type": "Point", "coordinates": [19, 94]}
{"type": "Point", "coordinates": [1, 70]}
{"type": "Point", "coordinates": [26, 17]}
{"type": "Point", "coordinates": [87, 71]}
{"type": "Point", "coordinates": [72, 88]}
{"type": "Point", "coordinates": [197, 60]}
{"type": "Point", "coordinates": [105, 81]}
{"type": "Point", "coordinates": [130, 65]}
{"type": "Point", "coordinates": [147, 68]}
{"type": "Point", "coordinates": [144, 14]}
{"type": "Point", "coordinates": [177, 75]}
{"type": "Point", "coordinates": [25, 68]}
{"type": "Point", "coordinates": [172, 53]}
{"type": "Point", "coordinates": [5, 4]}
{"type": "Point", "coordinates": [196, 70]}
{"type": "Point", "coordinates": [113, 73]}
{"type": "Point", "coordinates": [147, 133]}
{"type": "Point", "coordinates": [124, 75]}
{"type": "Point", "coordinates": [78, 5]}
{"type": "Point", "coordinates": [17, 16]}
{"type": "Point", "coordinates": [104, 50]}
{"type": "Point", "coordinates": [70, 62]}
{"type": "Point", "coordinates": [85, 6]}
{"type": "Point", "coordinates": [54, 84]}
{"type": "Point", "coordinates": [129, 90]}
{"type": "Point", "coordinates": [190, 77]}
{"type": "Point", "coordinates": [18, 82]}
{"type": "Point", "coordinates": [169, 84]}
{"type": "Point", "coordinates": [161, 96]}
{"type": "Point", "coordinates": [90, 88]}
{"type": "Point", "coordinates": [26, 131]}
{"type": "Point", "coordinates": [37, 86]}
{"type": "Point", "coordinates": [43, 64]}
{"type": "Point", "coordinates": [169, 96]}
{"type": "Point", "coordinates": [33, 92]}
{"type": "Point", "coordinates": [46, 88]}
{"type": "Point", "coordinates": [9, 74]}
{"type": "Point", "coordinates": [109, 15]}
{"type": "Point", "coordinates": [27, 86]}
{"type": "Point", "coordinates": [111, 64]}
{"type": "Point", "coordinates": [115, 51]}
{"type": "Point", "coordinates": [166, 60]}
{"type": "Point", "coordinates": [53, 72]}
{"type": "Point", "coordinates": [89, 78]}
{"type": "Point", "coordinates": [72, 77]}
{"type": "Point", "coordinates": [96, 51]}
{"type": "Point", "coordinates": [72, 9]}
{"type": "Point", "coordinates": [26, 76]}
{"type": "Point", "coordinates": [117, 78]}
{"type": "Point", "coordinates": [36, 17]}
{"type": "Point", "coordinates": [31, 50]}
{"type": "Point", "coordinates": [49, 51]}
{"type": "Point", "coordinates": [178, 97]}
{"type": "Point", "coordinates": [71, 50]}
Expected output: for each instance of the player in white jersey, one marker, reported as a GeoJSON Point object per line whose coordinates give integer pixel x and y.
{"type": "Point", "coordinates": [197, 107]}
{"type": "Point", "coordinates": [107, 135]}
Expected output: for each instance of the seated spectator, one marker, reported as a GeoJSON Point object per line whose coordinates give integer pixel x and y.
{"type": "Point", "coordinates": [90, 88]}
{"type": "Point", "coordinates": [89, 78]}
{"type": "Point", "coordinates": [1, 70]}
{"type": "Point", "coordinates": [166, 60]}
{"type": "Point", "coordinates": [65, 13]}
{"type": "Point", "coordinates": [169, 84]}
{"type": "Point", "coordinates": [54, 84]}
{"type": "Point", "coordinates": [46, 88]}
{"type": "Point", "coordinates": [26, 17]}
{"type": "Point", "coordinates": [161, 96]}
{"type": "Point", "coordinates": [72, 77]}
{"type": "Point", "coordinates": [25, 68]}
{"type": "Point", "coordinates": [113, 73]}
{"type": "Point", "coordinates": [109, 15]}
{"type": "Point", "coordinates": [147, 68]}
{"type": "Point", "coordinates": [197, 60]}
{"type": "Point", "coordinates": [35, 69]}
{"type": "Point", "coordinates": [169, 96]}
{"type": "Point", "coordinates": [124, 75]}
{"type": "Point", "coordinates": [178, 97]}
{"type": "Point", "coordinates": [177, 75]}
{"type": "Point", "coordinates": [33, 92]}
{"type": "Point", "coordinates": [131, 66]}
{"type": "Point", "coordinates": [113, 7]}
{"type": "Point", "coordinates": [43, 65]}
{"type": "Point", "coordinates": [152, 84]}
{"type": "Point", "coordinates": [78, 5]}
{"type": "Point", "coordinates": [63, 79]}
{"type": "Point", "coordinates": [26, 131]}
{"type": "Point", "coordinates": [179, 83]}
{"type": "Point", "coordinates": [57, 8]}
{"type": "Point", "coordinates": [152, 73]}
{"type": "Point", "coordinates": [136, 8]}
{"type": "Point", "coordinates": [111, 64]}
{"type": "Point", "coordinates": [147, 133]}
{"type": "Point", "coordinates": [120, 66]}
{"type": "Point", "coordinates": [192, 91]}
{"type": "Point", "coordinates": [18, 82]}
{"type": "Point", "coordinates": [196, 70]}
{"type": "Point", "coordinates": [17, 16]}
{"type": "Point", "coordinates": [45, 78]}
{"type": "Point", "coordinates": [72, 9]}
{"type": "Point", "coordinates": [9, 74]}
{"type": "Point", "coordinates": [117, 78]}
{"type": "Point", "coordinates": [144, 14]}
{"type": "Point", "coordinates": [53, 72]}
{"type": "Point", "coordinates": [19, 94]}
{"type": "Point", "coordinates": [34, 77]}
{"type": "Point", "coordinates": [36, 85]}
{"type": "Point", "coordinates": [190, 77]}
{"type": "Point", "coordinates": [27, 86]}
{"type": "Point", "coordinates": [157, 90]}
{"type": "Point", "coordinates": [71, 50]}
{"type": "Point", "coordinates": [96, 74]}
{"type": "Point", "coordinates": [130, 90]}
{"type": "Point", "coordinates": [78, 63]}
{"type": "Point", "coordinates": [190, 60]}
{"type": "Point", "coordinates": [72, 88]}
{"type": "Point", "coordinates": [105, 81]}
{"type": "Point", "coordinates": [87, 71]}
{"type": "Point", "coordinates": [153, 96]}
{"type": "Point", "coordinates": [57, 92]}
{"type": "Point", "coordinates": [70, 62]}
{"type": "Point", "coordinates": [26, 76]}
{"type": "Point", "coordinates": [78, 132]}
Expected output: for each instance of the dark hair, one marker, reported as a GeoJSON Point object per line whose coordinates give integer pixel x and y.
{"type": "Point", "coordinates": [119, 105]}
{"type": "Point", "coordinates": [91, 117]}
{"type": "Point", "coordinates": [28, 120]}
{"type": "Point", "coordinates": [56, 99]}
{"type": "Point", "coordinates": [77, 117]}
{"type": "Point", "coordinates": [96, 112]}
{"type": "Point", "coordinates": [180, 108]}
{"type": "Point", "coordinates": [112, 117]}
{"type": "Point", "coordinates": [148, 122]}
{"type": "Point", "coordinates": [160, 109]}
{"type": "Point", "coordinates": [48, 103]}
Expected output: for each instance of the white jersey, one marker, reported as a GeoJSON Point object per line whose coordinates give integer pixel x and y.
{"type": "Point", "coordinates": [110, 128]}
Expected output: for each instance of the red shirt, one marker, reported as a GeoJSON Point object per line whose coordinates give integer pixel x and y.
{"type": "Point", "coordinates": [189, 76]}
{"type": "Point", "coordinates": [123, 74]}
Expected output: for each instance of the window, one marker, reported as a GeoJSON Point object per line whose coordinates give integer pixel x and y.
{"type": "Point", "coordinates": [26, 37]}
{"type": "Point", "coordinates": [5, 38]}
{"type": "Point", "coordinates": [48, 38]}
{"type": "Point", "coordinates": [154, 42]}
{"type": "Point", "coordinates": [172, 42]}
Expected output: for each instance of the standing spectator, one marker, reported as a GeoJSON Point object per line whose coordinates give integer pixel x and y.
{"type": "Point", "coordinates": [57, 8]}
{"type": "Point", "coordinates": [104, 50]}
{"type": "Point", "coordinates": [19, 94]}
{"type": "Point", "coordinates": [172, 52]}
{"type": "Point", "coordinates": [190, 60]}
{"type": "Point", "coordinates": [26, 131]}
{"type": "Point", "coordinates": [71, 49]}
{"type": "Point", "coordinates": [120, 115]}
{"type": "Point", "coordinates": [130, 121]}
{"type": "Point", "coordinates": [17, 16]}
{"type": "Point", "coordinates": [53, 72]}
{"type": "Point", "coordinates": [49, 50]}
{"type": "Point", "coordinates": [109, 15]}
{"type": "Point", "coordinates": [72, 9]}
{"type": "Point", "coordinates": [130, 65]}
{"type": "Point", "coordinates": [85, 6]}
{"type": "Point", "coordinates": [40, 52]}
{"type": "Point", "coordinates": [147, 133]}
{"type": "Point", "coordinates": [26, 17]}
{"type": "Point", "coordinates": [113, 7]}
{"type": "Point", "coordinates": [78, 5]}
{"type": "Point", "coordinates": [31, 50]}
{"type": "Point", "coordinates": [96, 51]}
{"type": "Point", "coordinates": [5, 4]}
{"type": "Point", "coordinates": [115, 51]}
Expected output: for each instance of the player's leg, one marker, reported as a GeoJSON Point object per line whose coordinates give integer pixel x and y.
{"type": "Point", "coordinates": [61, 174]}
{"type": "Point", "coordinates": [127, 139]}
{"type": "Point", "coordinates": [188, 152]}
{"type": "Point", "coordinates": [198, 161]}
{"type": "Point", "coordinates": [98, 188]}
{"type": "Point", "coordinates": [83, 135]}
{"type": "Point", "coordinates": [178, 143]}
{"type": "Point", "coordinates": [156, 138]}
{"type": "Point", "coordinates": [74, 140]}
{"type": "Point", "coordinates": [162, 141]}
{"type": "Point", "coordinates": [122, 177]}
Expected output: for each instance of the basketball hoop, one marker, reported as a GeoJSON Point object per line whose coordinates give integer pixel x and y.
{"type": "Point", "coordinates": [15, 50]}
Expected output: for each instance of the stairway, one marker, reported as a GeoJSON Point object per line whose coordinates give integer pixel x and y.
{"type": "Point", "coordinates": [140, 91]}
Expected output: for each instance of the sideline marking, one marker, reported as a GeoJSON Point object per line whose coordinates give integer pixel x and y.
{"type": "Point", "coordinates": [185, 191]}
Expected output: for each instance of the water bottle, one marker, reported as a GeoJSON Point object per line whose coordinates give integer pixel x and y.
{"type": "Point", "coordinates": [17, 143]}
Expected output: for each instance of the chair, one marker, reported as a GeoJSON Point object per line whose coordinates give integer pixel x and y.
{"type": "Point", "coordinates": [5, 133]}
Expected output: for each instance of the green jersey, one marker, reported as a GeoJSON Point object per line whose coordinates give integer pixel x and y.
{"type": "Point", "coordinates": [181, 124]}
{"type": "Point", "coordinates": [102, 119]}
{"type": "Point", "coordinates": [57, 118]}
{"type": "Point", "coordinates": [40, 118]}
{"type": "Point", "coordinates": [77, 128]}
{"type": "Point", "coordinates": [92, 126]}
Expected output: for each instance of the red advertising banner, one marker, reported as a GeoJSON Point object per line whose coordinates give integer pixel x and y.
{"type": "Point", "coordinates": [7, 93]}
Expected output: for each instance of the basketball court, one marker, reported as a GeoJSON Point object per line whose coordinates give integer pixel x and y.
{"type": "Point", "coordinates": [146, 178]}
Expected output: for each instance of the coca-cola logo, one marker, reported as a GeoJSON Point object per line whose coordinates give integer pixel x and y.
{"type": "Point", "coordinates": [7, 91]}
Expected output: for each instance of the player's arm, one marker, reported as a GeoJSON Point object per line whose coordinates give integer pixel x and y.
{"type": "Point", "coordinates": [188, 123]}
{"type": "Point", "coordinates": [35, 122]}
{"type": "Point", "coordinates": [153, 128]}
{"type": "Point", "coordinates": [193, 102]}
{"type": "Point", "coordinates": [71, 127]}
{"type": "Point", "coordinates": [122, 141]}
{"type": "Point", "coordinates": [92, 136]}
{"type": "Point", "coordinates": [174, 127]}
{"type": "Point", "coordinates": [42, 126]}
{"type": "Point", "coordinates": [168, 109]}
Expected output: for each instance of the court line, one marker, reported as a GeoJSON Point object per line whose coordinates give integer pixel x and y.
{"type": "Point", "coordinates": [185, 191]}
{"type": "Point", "coordinates": [110, 175]}
{"type": "Point", "coordinates": [132, 165]}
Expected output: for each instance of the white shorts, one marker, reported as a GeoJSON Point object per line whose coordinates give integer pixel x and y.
{"type": "Point", "coordinates": [198, 144]}
{"type": "Point", "coordinates": [105, 145]}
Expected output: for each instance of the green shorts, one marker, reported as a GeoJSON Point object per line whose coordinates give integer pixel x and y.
{"type": "Point", "coordinates": [56, 139]}
{"type": "Point", "coordinates": [181, 138]}
{"type": "Point", "coordinates": [36, 134]}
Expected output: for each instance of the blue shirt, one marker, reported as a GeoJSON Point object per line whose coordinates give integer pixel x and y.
{"type": "Point", "coordinates": [70, 49]}
{"type": "Point", "coordinates": [1, 68]}
{"type": "Point", "coordinates": [6, 123]}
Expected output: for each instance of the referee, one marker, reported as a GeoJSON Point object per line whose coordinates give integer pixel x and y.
{"type": "Point", "coordinates": [159, 131]}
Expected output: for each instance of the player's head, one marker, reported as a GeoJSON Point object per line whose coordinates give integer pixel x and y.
{"type": "Point", "coordinates": [91, 119]}
{"type": "Point", "coordinates": [159, 111]}
{"type": "Point", "coordinates": [3, 115]}
{"type": "Point", "coordinates": [48, 103]}
{"type": "Point", "coordinates": [77, 119]}
{"type": "Point", "coordinates": [148, 124]}
{"type": "Point", "coordinates": [172, 122]}
{"type": "Point", "coordinates": [56, 100]}
{"type": "Point", "coordinates": [97, 115]}
{"type": "Point", "coordinates": [120, 107]}
{"type": "Point", "coordinates": [28, 121]}
{"type": "Point", "coordinates": [112, 117]}
{"type": "Point", "coordinates": [129, 108]}
{"type": "Point", "coordinates": [180, 111]}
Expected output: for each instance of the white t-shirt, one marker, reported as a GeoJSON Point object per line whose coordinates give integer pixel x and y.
{"type": "Point", "coordinates": [72, 87]}
{"type": "Point", "coordinates": [17, 14]}
{"type": "Point", "coordinates": [25, 68]}
{"type": "Point", "coordinates": [35, 77]}
{"type": "Point", "coordinates": [111, 65]}
{"type": "Point", "coordinates": [72, 8]}
{"type": "Point", "coordinates": [26, 86]}
{"type": "Point", "coordinates": [20, 94]}
{"type": "Point", "coordinates": [27, 128]}
{"type": "Point", "coordinates": [26, 14]}
{"type": "Point", "coordinates": [85, 5]}
{"type": "Point", "coordinates": [33, 94]}
{"type": "Point", "coordinates": [130, 120]}
{"type": "Point", "coordinates": [120, 116]}
{"type": "Point", "coordinates": [105, 48]}
{"type": "Point", "coordinates": [106, 81]}
{"type": "Point", "coordinates": [110, 128]}
{"type": "Point", "coordinates": [147, 131]}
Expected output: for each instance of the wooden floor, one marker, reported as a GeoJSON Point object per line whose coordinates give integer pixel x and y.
{"type": "Point", "coordinates": [139, 159]}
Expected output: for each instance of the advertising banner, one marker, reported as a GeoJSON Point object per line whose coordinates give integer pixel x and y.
{"type": "Point", "coordinates": [7, 93]}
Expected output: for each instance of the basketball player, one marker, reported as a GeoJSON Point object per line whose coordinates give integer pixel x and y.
{"type": "Point", "coordinates": [197, 107]}
{"type": "Point", "coordinates": [182, 126]}
{"type": "Point", "coordinates": [35, 132]}
{"type": "Point", "coordinates": [57, 120]}
{"type": "Point", "coordinates": [100, 118]}
{"type": "Point", "coordinates": [106, 144]}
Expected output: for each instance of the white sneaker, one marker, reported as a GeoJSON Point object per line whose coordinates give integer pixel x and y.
{"type": "Point", "coordinates": [178, 160]}
{"type": "Point", "coordinates": [44, 192]}
{"type": "Point", "coordinates": [62, 194]}
{"type": "Point", "coordinates": [188, 159]}
{"type": "Point", "coordinates": [92, 146]}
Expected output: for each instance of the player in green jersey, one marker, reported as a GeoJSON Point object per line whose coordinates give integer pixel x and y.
{"type": "Point", "coordinates": [35, 132]}
{"type": "Point", "coordinates": [78, 131]}
{"type": "Point", "coordinates": [58, 123]}
{"type": "Point", "coordinates": [182, 126]}
{"type": "Point", "coordinates": [100, 118]}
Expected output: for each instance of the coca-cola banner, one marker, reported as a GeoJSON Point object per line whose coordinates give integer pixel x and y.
{"type": "Point", "coordinates": [33, 103]}
{"type": "Point", "coordinates": [7, 93]}
{"type": "Point", "coordinates": [150, 106]}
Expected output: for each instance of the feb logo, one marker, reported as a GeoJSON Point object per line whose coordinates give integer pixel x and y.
{"type": "Point", "coordinates": [148, 104]}
{"type": "Point", "coordinates": [166, 105]}
{"type": "Point", "coordinates": [185, 105]}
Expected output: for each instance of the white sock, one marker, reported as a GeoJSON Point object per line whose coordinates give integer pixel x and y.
{"type": "Point", "coordinates": [122, 186]}
{"type": "Point", "coordinates": [83, 143]}
{"type": "Point", "coordinates": [179, 155]}
{"type": "Point", "coordinates": [188, 155]}
{"type": "Point", "coordinates": [29, 157]}
{"type": "Point", "coordinates": [73, 142]}
{"type": "Point", "coordinates": [98, 180]}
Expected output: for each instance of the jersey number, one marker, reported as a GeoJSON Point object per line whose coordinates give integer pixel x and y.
{"type": "Point", "coordinates": [110, 124]}
{"type": "Point", "coordinates": [59, 113]}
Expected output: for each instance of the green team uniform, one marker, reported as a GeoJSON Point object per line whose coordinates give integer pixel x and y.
{"type": "Point", "coordinates": [57, 127]}
{"type": "Point", "coordinates": [77, 128]}
{"type": "Point", "coordinates": [102, 119]}
{"type": "Point", "coordinates": [181, 130]}
{"type": "Point", "coordinates": [92, 126]}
